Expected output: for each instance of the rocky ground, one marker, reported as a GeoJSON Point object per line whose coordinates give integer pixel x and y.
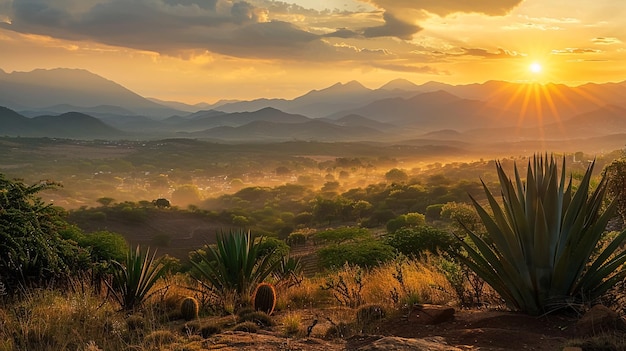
{"type": "Point", "coordinates": [464, 330]}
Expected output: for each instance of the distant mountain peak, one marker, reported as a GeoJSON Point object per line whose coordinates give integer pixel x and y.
{"type": "Point", "coordinates": [400, 84]}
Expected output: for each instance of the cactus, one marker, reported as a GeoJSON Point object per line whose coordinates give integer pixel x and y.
{"type": "Point", "coordinates": [264, 298]}
{"type": "Point", "coordinates": [189, 308]}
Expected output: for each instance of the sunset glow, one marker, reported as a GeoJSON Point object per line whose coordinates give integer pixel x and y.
{"type": "Point", "coordinates": [207, 50]}
{"type": "Point", "coordinates": [535, 67]}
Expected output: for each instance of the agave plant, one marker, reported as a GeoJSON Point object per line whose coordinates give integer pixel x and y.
{"type": "Point", "coordinates": [133, 280]}
{"type": "Point", "coordinates": [540, 250]}
{"type": "Point", "coordinates": [235, 264]}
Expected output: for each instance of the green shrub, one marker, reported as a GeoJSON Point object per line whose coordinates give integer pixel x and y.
{"type": "Point", "coordinates": [364, 253]}
{"type": "Point", "coordinates": [32, 250]}
{"type": "Point", "coordinates": [420, 240]}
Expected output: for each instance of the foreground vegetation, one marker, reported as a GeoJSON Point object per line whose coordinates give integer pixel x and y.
{"type": "Point", "coordinates": [542, 246]}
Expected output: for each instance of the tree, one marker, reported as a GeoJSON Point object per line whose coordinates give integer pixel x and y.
{"type": "Point", "coordinates": [396, 175]}
{"type": "Point", "coordinates": [105, 201]}
{"type": "Point", "coordinates": [32, 250]}
{"type": "Point", "coordinates": [161, 203]}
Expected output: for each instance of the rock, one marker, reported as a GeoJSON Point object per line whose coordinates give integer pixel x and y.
{"type": "Point", "coordinates": [436, 343]}
{"type": "Point", "coordinates": [599, 319]}
{"type": "Point", "coordinates": [572, 348]}
{"type": "Point", "coordinates": [430, 314]}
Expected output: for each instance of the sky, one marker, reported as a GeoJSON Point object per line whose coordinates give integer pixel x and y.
{"type": "Point", "coordinates": [206, 50]}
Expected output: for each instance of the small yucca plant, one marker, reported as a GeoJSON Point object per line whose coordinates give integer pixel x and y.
{"type": "Point", "coordinates": [133, 280]}
{"type": "Point", "coordinates": [539, 250]}
{"type": "Point", "coordinates": [235, 264]}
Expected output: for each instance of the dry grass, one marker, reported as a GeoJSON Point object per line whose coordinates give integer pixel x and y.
{"type": "Point", "coordinates": [83, 320]}
{"type": "Point", "coordinates": [405, 282]}
{"type": "Point", "coordinates": [292, 324]}
{"type": "Point", "coordinates": [46, 320]}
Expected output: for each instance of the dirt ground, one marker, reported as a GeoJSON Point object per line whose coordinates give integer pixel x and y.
{"type": "Point", "coordinates": [491, 330]}
{"type": "Point", "coordinates": [469, 330]}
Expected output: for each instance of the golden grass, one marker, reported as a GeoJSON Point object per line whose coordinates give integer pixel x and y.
{"type": "Point", "coordinates": [405, 282]}
{"type": "Point", "coordinates": [46, 320]}
{"type": "Point", "coordinates": [292, 324]}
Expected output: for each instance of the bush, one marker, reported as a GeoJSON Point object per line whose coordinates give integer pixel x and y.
{"type": "Point", "coordinates": [32, 251]}
{"type": "Point", "coordinates": [418, 241]}
{"type": "Point", "coordinates": [364, 254]}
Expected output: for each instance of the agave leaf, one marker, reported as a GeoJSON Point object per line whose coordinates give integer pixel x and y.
{"type": "Point", "coordinates": [235, 263]}
{"type": "Point", "coordinates": [133, 281]}
{"type": "Point", "coordinates": [540, 241]}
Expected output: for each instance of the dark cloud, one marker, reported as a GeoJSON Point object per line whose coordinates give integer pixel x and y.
{"type": "Point", "coordinates": [165, 26]}
{"type": "Point", "coordinates": [393, 27]}
{"type": "Point", "coordinates": [39, 12]}
{"type": "Point", "coordinates": [447, 7]}
{"type": "Point", "coordinates": [343, 33]}
{"type": "Point", "coordinates": [204, 4]}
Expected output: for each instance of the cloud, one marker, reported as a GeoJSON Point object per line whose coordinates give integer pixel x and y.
{"type": "Point", "coordinates": [164, 26]}
{"type": "Point", "coordinates": [393, 27]}
{"type": "Point", "coordinates": [605, 40]}
{"type": "Point", "coordinates": [447, 7]}
{"type": "Point", "coordinates": [409, 68]}
{"type": "Point", "coordinates": [575, 51]}
{"type": "Point", "coordinates": [500, 54]}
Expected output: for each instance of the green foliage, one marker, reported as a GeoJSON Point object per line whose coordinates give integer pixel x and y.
{"type": "Point", "coordinates": [396, 175]}
{"type": "Point", "coordinates": [368, 253]}
{"type": "Point", "coordinates": [32, 250]}
{"type": "Point", "coordinates": [105, 246]}
{"type": "Point", "coordinates": [264, 298]}
{"type": "Point", "coordinates": [461, 216]}
{"type": "Point", "coordinates": [289, 271]}
{"type": "Point", "coordinates": [235, 264]}
{"type": "Point", "coordinates": [433, 212]}
{"type": "Point", "coordinates": [273, 246]}
{"type": "Point", "coordinates": [539, 249]}
{"type": "Point", "coordinates": [339, 235]}
{"type": "Point", "coordinates": [411, 220]}
{"type": "Point", "coordinates": [420, 240]}
{"type": "Point", "coordinates": [133, 280]}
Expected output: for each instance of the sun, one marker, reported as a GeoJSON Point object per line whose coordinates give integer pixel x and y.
{"type": "Point", "coordinates": [535, 67]}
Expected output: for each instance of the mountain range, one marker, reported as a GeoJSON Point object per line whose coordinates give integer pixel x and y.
{"type": "Point", "coordinates": [71, 103]}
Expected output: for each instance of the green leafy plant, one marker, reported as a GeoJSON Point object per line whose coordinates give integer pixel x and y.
{"type": "Point", "coordinates": [33, 252]}
{"type": "Point", "coordinates": [540, 248]}
{"type": "Point", "coordinates": [235, 264]}
{"type": "Point", "coordinates": [133, 280]}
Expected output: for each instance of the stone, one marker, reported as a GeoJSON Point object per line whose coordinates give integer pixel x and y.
{"type": "Point", "coordinates": [430, 314]}
{"type": "Point", "coordinates": [599, 319]}
{"type": "Point", "coordinates": [404, 344]}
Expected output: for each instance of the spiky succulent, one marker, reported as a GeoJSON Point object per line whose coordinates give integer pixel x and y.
{"type": "Point", "coordinates": [540, 250]}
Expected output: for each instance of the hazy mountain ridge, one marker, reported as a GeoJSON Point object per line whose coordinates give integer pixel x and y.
{"type": "Point", "coordinates": [44, 89]}
{"type": "Point", "coordinates": [67, 125]}
{"type": "Point", "coordinates": [487, 112]}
